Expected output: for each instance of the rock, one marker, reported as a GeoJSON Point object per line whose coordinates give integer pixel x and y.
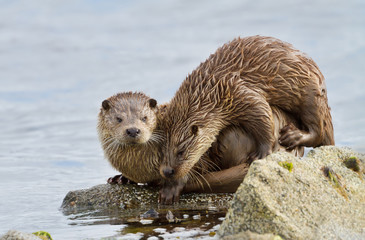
{"type": "Point", "coordinates": [248, 235]}
{"type": "Point", "coordinates": [16, 235]}
{"type": "Point", "coordinates": [133, 196]}
{"type": "Point", "coordinates": [319, 198]}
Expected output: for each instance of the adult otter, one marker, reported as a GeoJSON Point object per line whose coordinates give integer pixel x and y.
{"type": "Point", "coordinates": [236, 86]}
{"type": "Point", "coordinates": [223, 167]}
{"type": "Point", "coordinates": [129, 128]}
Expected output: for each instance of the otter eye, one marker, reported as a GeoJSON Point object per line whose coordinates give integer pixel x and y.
{"type": "Point", "coordinates": [119, 119]}
{"type": "Point", "coordinates": [180, 153]}
{"type": "Point", "coordinates": [144, 119]}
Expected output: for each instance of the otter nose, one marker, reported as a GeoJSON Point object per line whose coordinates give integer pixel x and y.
{"type": "Point", "coordinates": [133, 132]}
{"type": "Point", "coordinates": [168, 172]}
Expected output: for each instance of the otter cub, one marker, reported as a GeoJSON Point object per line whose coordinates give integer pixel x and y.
{"type": "Point", "coordinates": [236, 86]}
{"type": "Point", "coordinates": [130, 137]}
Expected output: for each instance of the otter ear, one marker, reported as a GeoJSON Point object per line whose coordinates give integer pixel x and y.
{"type": "Point", "coordinates": [194, 129]}
{"type": "Point", "coordinates": [152, 103]}
{"type": "Point", "coordinates": [106, 105]}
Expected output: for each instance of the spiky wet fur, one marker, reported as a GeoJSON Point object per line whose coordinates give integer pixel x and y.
{"type": "Point", "coordinates": [235, 86]}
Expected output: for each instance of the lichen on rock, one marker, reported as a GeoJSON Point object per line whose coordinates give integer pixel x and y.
{"type": "Point", "coordinates": [17, 235]}
{"type": "Point", "coordinates": [303, 203]}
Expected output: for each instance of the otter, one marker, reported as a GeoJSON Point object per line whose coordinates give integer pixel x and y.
{"type": "Point", "coordinates": [223, 167]}
{"type": "Point", "coordinates": [129, 127]}
{"type": "Point", "coordinates": [236, 86]}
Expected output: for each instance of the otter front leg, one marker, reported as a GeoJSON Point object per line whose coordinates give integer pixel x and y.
{"type": "Point", "coordinates": [170, 192]}
{"type": "Point", "coordinates": [291, 137]}
{"type": "Point", "coordinates": [314, 116]}
{"type": "Point", "coordinates": [256, 118]}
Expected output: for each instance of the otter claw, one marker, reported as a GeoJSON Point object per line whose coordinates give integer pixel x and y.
{"type": "Point", "coordinates": [119, 179]}
{"type": "Point", "coordinates": [170, 193]}
{"type": "Point", "coordinates": [168, 197]}
{"type": "Point", "coordinates": [290, 137]}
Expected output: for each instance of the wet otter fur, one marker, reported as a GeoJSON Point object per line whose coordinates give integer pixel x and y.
{"type": "Point", "coordinates": [223, 167]}
{"type": "Point", "coordinates": [236, 86]}
{"type": "Point", "coordinates": [137, 154]}
{"type": "Point", "coordinates": [129, 133]}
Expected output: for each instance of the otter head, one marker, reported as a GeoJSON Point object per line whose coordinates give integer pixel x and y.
{"type": "Point", "coordinates": [127, 119]}
{"type": "Point", "coordinates": [183, 149]}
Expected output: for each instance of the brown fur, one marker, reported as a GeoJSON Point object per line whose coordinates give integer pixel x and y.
{"type": "Point", "coordinates": [224, 166]}
{"type": "Point", "coordinates": [236, 86]}
{"type": "Point", "coordinates": [138, 158]}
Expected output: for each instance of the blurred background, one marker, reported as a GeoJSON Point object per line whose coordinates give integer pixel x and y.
{"type": "Point", "coordinates": [59, 59]}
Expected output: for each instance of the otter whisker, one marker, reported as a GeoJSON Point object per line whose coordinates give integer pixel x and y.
{"type": "Point", "coordinates": [206, 181]}
{"type": "Point", "coordinates": [153, 139]}
{"type": "Point", "coordinates": [112, 144]}
{"type": "Point", "coordinates": [108, 140]}
{"type": "Point", "coordinates": [157, 137]}
{"type": "Point", "coordinates": [149, 143]}
{"type": "Point", "coordinates": [111, 149]}
{"type": "Point", "coordinates": [109, 146]}
{"type": "Point", "coordinates": [115, 148]}
{"type": "Point", "coordinates": [194, 179]}
{"type": "Point", "coordinates": [209, 165]}
{"type": "Point", "coordinates": [200, 176]}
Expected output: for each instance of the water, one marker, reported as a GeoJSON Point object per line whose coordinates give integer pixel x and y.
{"type": "Point", "coordinates": [60, 59]}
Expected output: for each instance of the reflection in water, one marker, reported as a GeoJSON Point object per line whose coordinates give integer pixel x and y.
{"type": "Point", "coordinates": [60, 59]}
{"type": "Point", "coordinates": [194, 222]}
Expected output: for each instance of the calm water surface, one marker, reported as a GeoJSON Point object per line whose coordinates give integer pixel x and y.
{"type": "Point", "coordinates": [60, 59]}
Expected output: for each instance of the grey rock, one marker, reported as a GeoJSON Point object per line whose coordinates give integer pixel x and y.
{"type": "Point", "coordinates": [320, 198]}
{"type": "Point", "coordinates": [16, 235]}
{"type": "Point", "coordinates": [248, 235]}
{"type": "Point", "coordinates": [133, 196]}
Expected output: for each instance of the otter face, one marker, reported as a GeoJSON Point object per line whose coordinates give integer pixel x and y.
{"type": "Point", "coordinates": [128, 118]}
{"type": "Point", "coordinates": [181, 154]}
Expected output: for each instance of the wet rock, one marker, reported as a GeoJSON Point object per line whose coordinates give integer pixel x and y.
{"type": "Point", "coordinates": [321, 196]}
{"type": "Point", "coordinates": [152, 213]}
{"type": "Point", "coordinates": [133, 196]}
{"type": "Point", "coordinates": [170, 217]}
{"type": "Point", "coordinates": [106, 195]}
{"type": "Point", "coordinates": [16, 235]}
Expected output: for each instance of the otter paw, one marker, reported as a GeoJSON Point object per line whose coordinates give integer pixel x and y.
{"type": "Point", "coordinates": [170, 194]}
{"type": "Point", "coordinates": [290, 137]}
{"type": "Point", "coordinates": [119, 179]}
